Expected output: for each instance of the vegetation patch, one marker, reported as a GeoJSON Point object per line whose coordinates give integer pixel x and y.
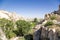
{"type": "Point", "coordinates": [53, 17]}
{"type": "Point", "coordinates": [49, 23]}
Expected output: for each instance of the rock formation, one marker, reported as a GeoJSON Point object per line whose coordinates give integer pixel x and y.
{"type": "Point", "coordinates": [10, 15]}
{"type": "Point", "coordinates": [2, 35]}
{"type": "Point", "coordinates": [13, 16]}
{"type": "Point", "coordinates": [45, 33]}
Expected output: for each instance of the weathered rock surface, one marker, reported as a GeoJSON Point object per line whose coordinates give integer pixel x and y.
{"type": "Point", "coordinates": [2, 35]}
{"type": "Point", "coordinates": [45, 34]}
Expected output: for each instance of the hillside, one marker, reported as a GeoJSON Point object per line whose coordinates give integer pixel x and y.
{"type": "Point", "coordinates": [16, 27]}
{"type": "Point", "coordinates": [49, 27]}
{"type": "Point", "coordinates": [10, 15]}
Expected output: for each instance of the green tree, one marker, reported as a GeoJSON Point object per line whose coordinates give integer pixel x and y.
{"type": "Point", "coordinates": [35, 20]}
{"type": "Point", "coordinates": [22, 27]}
{"type": "Point", "coordinates": [6, 24]}
{"type": "Point", "coordinates": [7, 27]}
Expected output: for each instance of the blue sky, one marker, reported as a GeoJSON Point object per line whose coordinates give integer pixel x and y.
{"type": "Point", "coordinates": [30, 8]}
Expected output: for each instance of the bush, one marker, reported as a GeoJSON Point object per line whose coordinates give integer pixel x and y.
{"type": "Point", "coordinates": [10, 34]}
{"type": "Point", "coordinates": [53, 17]}
{"type": "Point", "coordinates": [23, 27]}
{"type": "Point", "coordinates": [35, 20]}
{"type": "Point", "coordinates": [49, 23]}
{"type": "Point", "coordinates": [7, 27]}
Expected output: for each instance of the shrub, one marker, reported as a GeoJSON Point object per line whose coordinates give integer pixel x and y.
{"type": "Point", "coordinates": [23, 27]}
{"type": "Point", "coordinates": [49, 23]}
{"type": "Point", "coordinates": [7, 27]}
{"type": "Point", "coordinates": [53, 17]}
{"type": "Point", "coordinates": [35, 20]}
{"type": "Point", "coordinates": [10, 34]}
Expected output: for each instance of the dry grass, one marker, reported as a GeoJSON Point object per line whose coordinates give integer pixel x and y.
{"type": "Point", "coordinates": [57, 27]}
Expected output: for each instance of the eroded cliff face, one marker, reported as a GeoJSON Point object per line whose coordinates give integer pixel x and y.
{"type": "Point", "coordinates": [51, 32]}
{"type": "Point", "coordinates": [46, 34]}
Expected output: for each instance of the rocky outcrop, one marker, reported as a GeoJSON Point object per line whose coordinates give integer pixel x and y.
{"type": "Point", "coordinates": [46, 34]}
{"type": "Point", "coordinates": [55, 13]}
{"type": "Point", "coordinates": [13, 16]}
{"type": "Point", "coordinates": [10, 15]}
{"type": "Point", "coordinates": [2, 35]}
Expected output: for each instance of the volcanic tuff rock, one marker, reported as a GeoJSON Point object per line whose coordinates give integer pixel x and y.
{"type": "Point", "coordinates": [51, 32]}
{"type": "Point", "coordinates": [55, 13]}
{"type": "Point", "coordinates": [13, 16]}
{"type": "Point", "coordinates": [10, 15]}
